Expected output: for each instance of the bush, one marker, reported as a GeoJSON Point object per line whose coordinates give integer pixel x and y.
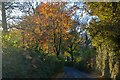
{"type": "Point", "coordinates": [54, 64]}
{"type": "Point", "coordinates": [82, 66]}
{"type": "Point", "coordinates": [69, 63]}
{"type": "Point", "coordinates": [15, 65]}
{"type": "Point", "coordinates": [83, 60]}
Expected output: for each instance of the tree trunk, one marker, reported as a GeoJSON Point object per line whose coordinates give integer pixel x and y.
{"type": "Point", "coordinates": [55, 43]}
{"type": "Point", "coordinates": [60, 41]}
{"type": "Point", "coordinates": [72, 57]}
{"type": "Point", "coordinates": [4, 22]}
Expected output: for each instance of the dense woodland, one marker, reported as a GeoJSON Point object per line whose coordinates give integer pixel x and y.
{"type": "Point", "coordinates": [46, 38]}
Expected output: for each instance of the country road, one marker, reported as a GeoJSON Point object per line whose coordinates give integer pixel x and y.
{"type": "Point", "coordinates": [70, 72]}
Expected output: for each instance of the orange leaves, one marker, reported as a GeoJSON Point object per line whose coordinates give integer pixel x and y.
{"type": "Point", "coordinates": [48, 25]}
{"type": "Point", "coordinates": [36, 19]}
{"type": "Point", "coordinates": [42, 8]}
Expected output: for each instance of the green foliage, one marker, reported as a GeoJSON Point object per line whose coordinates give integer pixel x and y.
{"type": "Point", "coordinates": [105, 37]}
{"type": "Point", "coordinates": [15, 65]}
{"type": "Point", "coordinates": [86, 60]}
{"type": "Point", "coordinates": [86, 53]}
{"type": "Point", "coordinates": [54, 63]}
{"type": "Point", "coordinates": [37, 59]}
{"type": "Point", "coordinates": [11, 39]}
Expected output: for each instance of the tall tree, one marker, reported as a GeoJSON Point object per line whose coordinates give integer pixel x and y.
{"type": "Point", "coordinates": [56, 21]}
{"type": "Point", "coordinates": [48, 28]}
{"type": "Point", "coordinates": [105, 37]}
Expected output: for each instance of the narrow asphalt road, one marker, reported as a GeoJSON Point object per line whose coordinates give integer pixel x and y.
{"type": "Point", "coordinates": [70, 72]}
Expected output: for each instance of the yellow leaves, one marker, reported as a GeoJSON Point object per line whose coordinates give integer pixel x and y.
{"type": "Point", "coordinates": [111, 4]}
{"type": "Point", "coordinates": [66, 54]}
{"type": "Point", "coordinates": [41, 28]}
{"type": "Point", "coordinates": [50, 10]}
{"type": "Point", "coordinates": [65, 38]}
{"type": "Point", "coordinates": [42, 8]}
{"type": "Point", "coordinates": [51, 15]}
{"type": "Point", "coordinates": [36, 19]}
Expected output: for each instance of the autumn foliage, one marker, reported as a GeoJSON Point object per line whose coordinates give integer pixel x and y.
{"type": "Point", "coordinates": [48, 27]}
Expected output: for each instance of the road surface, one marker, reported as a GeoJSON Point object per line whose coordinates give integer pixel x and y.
{"type": "Point", "coordinates": [70, 72]}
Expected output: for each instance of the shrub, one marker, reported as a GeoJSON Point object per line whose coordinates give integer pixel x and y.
{"type": "Point", "coordinates": [15, 65]}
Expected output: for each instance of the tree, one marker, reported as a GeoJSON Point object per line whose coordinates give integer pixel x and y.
{"type": "Point", "coordinates": [48, 27]}
{"type": "Point", "coordinates": [105, 37]}
{"type": "Point", "coordinates": [9, 16]}
{"type": "Point", "coordinates": [56, 21]}
{"type": "Point", "coordinates": [73, 43]}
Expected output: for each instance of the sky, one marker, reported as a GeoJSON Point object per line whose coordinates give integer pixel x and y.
{"type": "Point", "coordinates": [80, 15]}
